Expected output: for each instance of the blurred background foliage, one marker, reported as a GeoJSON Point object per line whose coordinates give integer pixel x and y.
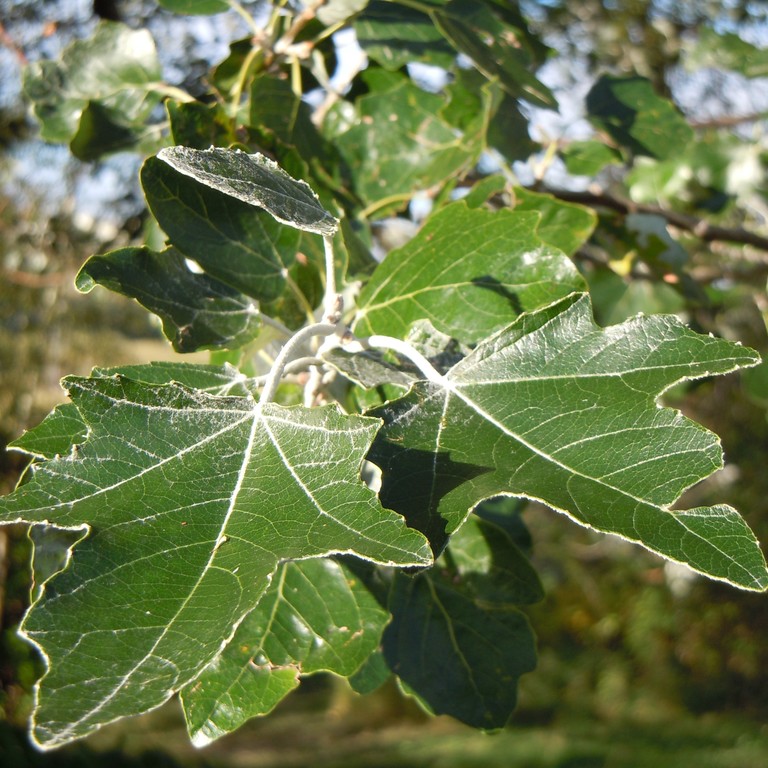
{"type": "Point", "coordinates": [640, 663]}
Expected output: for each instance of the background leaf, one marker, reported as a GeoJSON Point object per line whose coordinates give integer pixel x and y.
{"type": "Point", "coordinates": [469, 271]}
{"type": "Point", "coordinates": [315, 616]}
{"type": "Point", "coordinates": [399, 144]}
{"type": "Point", "coordinates": [455, 656]}
{"type": "Point", "coordinates": [198, 312]}
{"type": "Point", "coordinates": [108, 76]}
{"type": "Point", "coordinates": [636, 118]}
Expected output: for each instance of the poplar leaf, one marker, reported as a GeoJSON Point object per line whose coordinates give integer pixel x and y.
{"type": "Point", "coordinates": [556, 409]}
{"type": "Point", "coordinates": [185, 504]}
{"type": "Point", "coordinates": [255, 180]}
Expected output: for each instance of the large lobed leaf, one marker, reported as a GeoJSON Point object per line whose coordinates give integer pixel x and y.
{"type": "Point", "coordinates": [556, 409]}
{"type": "Point", "coordinates": [186, 503]}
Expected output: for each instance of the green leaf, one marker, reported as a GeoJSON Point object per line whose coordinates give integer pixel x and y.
{"type": "Point", "coordinates": [315, 616]}
{"type": "Point", "coordinates": [212, 379]}
{"type": "Point", "coordinates": [201, 7]}
{"type": "Point", "coordinates": [400, 144]}
{"type": "Point", "coordinates": [469, 271]}
{"type": "Point", "coordinates": [63, 427]}
{"type": "Point", "coordinates": [567, 226]}
{"type": "Point", "coordinates": [367, 369]}
{"type": "Point", "coordinates": [454, 655]}
{"type": "Point", "coordinates": [487, 115]}
{"type": "Point", "coordinates": [55, 434]}
{"type": "Point", "coordinates": [189, 502]}
{"type": "Point", "coordinates": [555, 409]}
{"type": "Point", "coordinates": [110, 76]}
{"type": "Point", "coordinates": [586, 158]}
{"type": "Point", "coordinates": [636, 118]}
{"type": "Point", "coordinates": [255, 180]}
{"type": "Point", "coordinates": [395, 35]}
{"type": "Point", "coordinates": [281, 123]}
{"type": "Point", "coordinates": [726, 51]}
{"type": "Point", "coordinates": [232, 241]}
{"type": "Point", "coordinates": [482, 191]}
{"type": "Point", "coordinates": [100, 132]}
{"type": "Point", "coordinates": [200, 125]}
{"type": "Point", "coordinates": [198, 312]}
{"type": "Point", "coordinates": [494, 47]}
{"type": "Point", "coordinates": [491, 568]}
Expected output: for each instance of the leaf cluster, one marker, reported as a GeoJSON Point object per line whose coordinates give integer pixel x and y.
{"type": "Point", "coordinates": [341, 488]}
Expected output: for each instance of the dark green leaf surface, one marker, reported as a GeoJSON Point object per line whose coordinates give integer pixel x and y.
{"type": "Point", "coordinates": [232, 241]}
{"type": "Point", "coordinates": [255, 180]}
{"type": "Point", "coordinates": [454, 655]}
{"type": "Point", "coordinates": [115, 67]}
{"type": "Point", "coordinates": [492, 569]}
{"type": "Point", "coordinates": [494, 47]}
{"type": "Point", "coordinates": [200, 125]}
{"type": "Point", "coordinates": [315, 616]}
{"type": "Point", "coordinates": [394, 35]}
{"type": "Point", "coordinates": [198, 312]}
{"type": "Point", "coordinates": [636, 118]}
{"type": "Point", "coordinates": [190, 501]}
{"type": "Point", "coordinates": [555, 409]}
{"type": "Point", "coordinates": [469, 271]}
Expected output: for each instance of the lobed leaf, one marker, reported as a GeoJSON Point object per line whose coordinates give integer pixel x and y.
{"type": "Point", "coordinates": [555, 409]}
{"type": "Point", "coordinates": [185, 503]}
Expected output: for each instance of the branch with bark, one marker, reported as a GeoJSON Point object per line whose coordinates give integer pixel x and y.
{"type": "Point", "coordinates": [701, 228]}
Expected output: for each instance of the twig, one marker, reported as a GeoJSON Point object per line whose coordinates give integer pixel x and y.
{"type": "Point", "coordinates": [294, 343]}
{"type": "Point", "coordinates": [701, 228]}
{"type": "Point", "coordinates": [402, 348]}
{"type": "Point", "coordinates": [727, 121]}
{"type": "Point", "coordinates": [9, 42]}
